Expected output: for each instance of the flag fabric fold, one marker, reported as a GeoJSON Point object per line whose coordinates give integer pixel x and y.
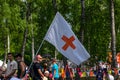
{"type": "Point", "coordinates": [63, 38]}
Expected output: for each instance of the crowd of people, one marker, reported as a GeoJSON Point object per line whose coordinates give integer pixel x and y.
{"type": "Point", "coordinates": [18, 70]}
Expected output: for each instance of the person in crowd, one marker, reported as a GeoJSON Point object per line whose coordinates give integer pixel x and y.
{"type": "Point", "coordinates": [78, 73]}
{"type": "Point", "coordinates": [12, 67]}
{"type": "Point", "coordinates": [99, 75]}
{"type": "Point", "coordinates": [91, 73]}
{"type": "Point", "coordinates": [50, 75]}
{"type": "Point", "coordinates": [45, 67]}
{"type": "Point", "coordinates": [37, 68]}
{"type": "Point", "coordinates": [21, 66]}
{"type": "Point", "coordinates": [71, 74]}
{"type": "Point", "coordinates": [118, 59]}
{"type": "Point", "coordinates": [67, 72]}
{"type": "Point", "coordinates": [2, 69]}
{"type": "Point", "coordinates": [110, 74]}
{"type": "Point", "coordinates": [63, 73]}
{"type": "Point", "coordinates": [46, 73]}
{"type": "Point", "coordinates": [55, 70]}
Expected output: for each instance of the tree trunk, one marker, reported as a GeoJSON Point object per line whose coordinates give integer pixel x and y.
{"type": "Point", "coordinates": [33, 51]}
{"type": "Point", "coordinates": [5, 47]}
{"type": "Point", "coordinates": [54, 5]}
{"type": "Point", "coordinates": [8, 39]}
{"type": "Point", "coordinates": [24, 42]}
{"type": "Point", "coordinates": [81, 31]}
{"type": "Point", "coordinates": [6, 44]}
{"type": "Point", "coordinates": [113, 35]}
{"type": "Point", "coordinates": [82, 21]}
{"type": "Point", "coordinates": [26, 29]}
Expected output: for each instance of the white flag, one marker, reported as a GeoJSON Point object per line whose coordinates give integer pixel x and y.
{"type": "Point", "coordinates": [62, 37]}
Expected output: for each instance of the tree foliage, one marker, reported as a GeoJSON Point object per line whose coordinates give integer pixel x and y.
{"type": "Point", "coordinates": [97, 24]}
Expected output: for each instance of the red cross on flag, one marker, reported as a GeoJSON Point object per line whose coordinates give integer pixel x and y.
{"type": "Point", "coordinates": [62, 37]}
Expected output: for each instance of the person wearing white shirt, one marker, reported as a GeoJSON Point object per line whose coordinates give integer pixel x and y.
{"type": "Point", "coordinates": [11, 67]}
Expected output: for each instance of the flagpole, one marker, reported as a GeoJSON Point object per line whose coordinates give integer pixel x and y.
{"type": "Point", "coordinates": [38, 50]}
{"type": "Point", "coordinates": [35, 55]}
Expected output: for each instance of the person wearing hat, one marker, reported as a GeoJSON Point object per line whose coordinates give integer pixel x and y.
{"type": "Point", "coordinates": [55, 70]}
{"type": "Point", "coordinates": [38, 75]}
{"type": "Point", "coordinates": [46, 73]}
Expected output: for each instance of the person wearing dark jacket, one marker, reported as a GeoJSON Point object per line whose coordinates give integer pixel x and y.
{"type": "Point", "coordinates": [37, 68]}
